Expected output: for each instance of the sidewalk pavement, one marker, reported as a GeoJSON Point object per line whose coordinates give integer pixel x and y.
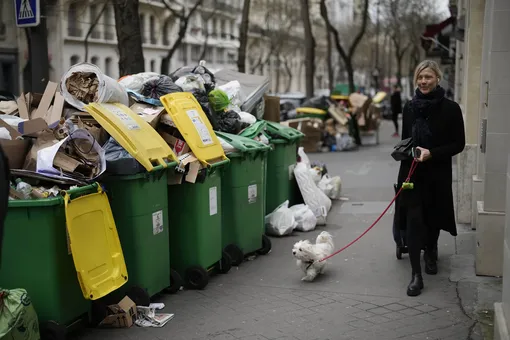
{"type": "Point", "coordinates": [362, 295]}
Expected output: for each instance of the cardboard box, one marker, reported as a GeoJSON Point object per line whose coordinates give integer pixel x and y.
{"type": "Point", "coordinates": [15, 149]}
{"type": "Point", "coordinates": [179, 146]}
{"type": "Point", "coordinates": [150, 113]}
{"type": "Point", "coordinates": [121, 315]}
{"type": "Point", "coordinates": [272, 109]}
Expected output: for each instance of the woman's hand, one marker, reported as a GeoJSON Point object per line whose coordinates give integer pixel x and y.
{"type": "Point", "coordinates": [424, 154]}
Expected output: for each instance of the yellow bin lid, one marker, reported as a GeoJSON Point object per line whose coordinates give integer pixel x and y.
{"type": "Point", "coordinates": [95, 245]}
{"type": "Point", "coordinates": [133, 134]}
{"type": "Point", "coordinates": [193, 124]}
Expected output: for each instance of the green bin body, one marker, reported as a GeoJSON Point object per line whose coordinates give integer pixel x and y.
{"type": "Point", "coordinates": [244, 194]}
{"type": "Point", "coordinates": [281, 184]}
{"type": "Point", "coordinates": [140, 208]}
{"type": "Point", "coordinates": [36, 257]}
{"type": "Point", "coordinates": [195, 231]}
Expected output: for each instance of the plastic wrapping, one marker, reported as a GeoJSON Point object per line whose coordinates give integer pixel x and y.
{"type": "Point", "coordinates": [234, 93]}
{"type": "Point", "coordinates": [247, 118]}
{"type": "Point", "coordinates": [219, 100]}
{"type": "Point", "coordinates": [207, 78]}
{"type": "Point", "coordinates": [6, 96]}
{"type": "Point", "coordinates": [108, 89]}
{"type": "Point", "coordinates": [119, 161]}
{"type": "Point", "coordinates": [191, 82]}
{"type": "Point", "coordinates": [331, 186]}
{"type": "Point", "coordinates": [281, 221]}
{"type": "Point", "coordinates": [304, 216]}
{"type": "Point", "coordinates": [18, 319]}
{"type": "Point", "coordinates": [135, 82]}
{"type": "Point", "coordinates": [159, 86]}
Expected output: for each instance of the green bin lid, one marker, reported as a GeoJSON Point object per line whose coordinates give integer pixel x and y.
{"type": "Point", "coordinates": [254, 130]}
{"type": "Point", "coordinates": [243, 144]}
{"type": "Point", "coordinates": [285, 132]}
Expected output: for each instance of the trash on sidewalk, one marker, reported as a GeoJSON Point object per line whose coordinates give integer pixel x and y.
{"type": "Point", "coordinates": [147, 316]}
{"type": "Point", "coordinates": [121, 315]}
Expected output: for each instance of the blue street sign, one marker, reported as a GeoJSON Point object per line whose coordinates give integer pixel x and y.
{"type": "Point", "coordinates": [28, 12]}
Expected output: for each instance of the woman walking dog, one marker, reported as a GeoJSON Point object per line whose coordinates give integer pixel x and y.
{"type": "Point", "coordinates": [436, 127]}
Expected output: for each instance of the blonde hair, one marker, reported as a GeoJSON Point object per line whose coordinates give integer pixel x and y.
{"type": "Point", "coordinates": [424, 65]}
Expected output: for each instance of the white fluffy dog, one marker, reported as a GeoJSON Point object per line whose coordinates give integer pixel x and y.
{"type": "Point", "coordinates": [309, 255]}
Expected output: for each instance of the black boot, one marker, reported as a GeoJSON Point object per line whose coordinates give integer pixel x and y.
{"type": "Point", "coordinates": [430, 257]}
{"type": "Point", "coordinates": [416, 285]}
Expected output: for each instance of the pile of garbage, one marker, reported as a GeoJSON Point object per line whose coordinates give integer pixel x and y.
{"type": "Point", "coordinates": [336, 123]}
{"type": "Point", "coordinates": [317, 189]}
{"type": "Point", "coordinates": [53, 143]}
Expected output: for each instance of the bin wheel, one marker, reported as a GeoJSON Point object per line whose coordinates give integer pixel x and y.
{"type": "Point", "coordinates": [139, 296]}
{"type": "Point", "coordinates": [236, 254]}
{"type": "Point", "coordinates": [225, 263]}
{"type": "Point", "coordinates": [197, 277]}
{"type": "Point", "coordinates": [266, 246]}
{"type": "Point", "coordinates": [175, 282]}
{"type": "Point", "coordinates": [50, 330]}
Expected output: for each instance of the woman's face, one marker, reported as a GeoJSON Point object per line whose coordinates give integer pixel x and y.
{"type": "Point", "coordinates": [427, 80]}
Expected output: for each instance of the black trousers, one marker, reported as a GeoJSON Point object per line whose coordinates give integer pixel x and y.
{"type": "Point", "coordinates": [394, 117]}
{"type": "Point", "coordinates": [420, 235]}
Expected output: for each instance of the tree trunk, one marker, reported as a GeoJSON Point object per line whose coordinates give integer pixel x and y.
{"type": "Point", "coordinates": [309, 48]}
{"type": "Point", "coordinates": [129, 37]}
{"type": "Point", "coordinates": [243, 37]}
{"type": "Point", "coordinates": [399, 58]}
{"type": "Point", "coordinates": [278, 76]}
{"type": "Point", "coordinates": [350, 75]}
{"type": "Point", "coordinates": [91, 29]}
{"type": "Point", "coordinates": [329, 56]}
{"type": "Point", "coordinates": [289, 74]}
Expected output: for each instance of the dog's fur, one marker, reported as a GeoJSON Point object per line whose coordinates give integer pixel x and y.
{"type": "Point", "coordinates": [309, 255]}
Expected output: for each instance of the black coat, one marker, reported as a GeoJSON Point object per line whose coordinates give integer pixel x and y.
{"type": "Point", "coordinates": [433, 178]}
{"type": "Point", "coordinates": [396, 102]}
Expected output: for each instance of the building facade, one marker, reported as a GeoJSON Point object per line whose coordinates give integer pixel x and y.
{"type": "Point", "coordinates": [9, 53]}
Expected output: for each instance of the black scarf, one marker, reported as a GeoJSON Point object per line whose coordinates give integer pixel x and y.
{"type": "Point", "coordinates": [422, 106]}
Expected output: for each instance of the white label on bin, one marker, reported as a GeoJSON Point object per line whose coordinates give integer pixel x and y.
{"type": "Point", "coordinates": [130, 123]}
{"type": "Point", "coordinates": [252, 193]}
{"type": "Point", "coordinates": [201, 128]}
{"type": "Point", "coordinates": [291, 171]}
{"type": "Point", "coordinates": [213, 201]}
{"type": "Point", "coordinates": [157, 222]}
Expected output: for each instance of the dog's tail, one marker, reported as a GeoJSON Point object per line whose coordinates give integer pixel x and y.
{"type": "Point", "coordinates": [324, 237]}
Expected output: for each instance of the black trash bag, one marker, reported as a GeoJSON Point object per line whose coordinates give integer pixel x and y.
{"type": "Point", "coordinates": [229, 122]}
{"type": "Point", "coordinates": [207, 76]}
{"type": "Point", "coordinates": [159, 86]}
{"type": "Point", "coordinates": [203, 99]}
{"type": "Point", "coordinates": [119, 161]}
{"type": "Point", "coordinates": [6, 96]}
{"type": "Point", "coordinates": [317, 103]}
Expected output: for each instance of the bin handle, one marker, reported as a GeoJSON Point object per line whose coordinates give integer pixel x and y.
{"type": "Point", "coordinates": [80, 191]}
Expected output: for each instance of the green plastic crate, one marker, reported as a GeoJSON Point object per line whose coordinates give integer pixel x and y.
{"type": "Point", "coordinates": [244, 198]}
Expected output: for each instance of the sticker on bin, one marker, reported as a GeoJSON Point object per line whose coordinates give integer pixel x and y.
{"type": "Point", "coordinates": [123, 117]}
{"type": "Point", "coordinates": [157, 222]}
{"type": "Point", "coordinates": [204, 134]}
{"type": "Point", "coordinates": [213, 201]}
{"type": "Point", "coordinates": [252, 193]}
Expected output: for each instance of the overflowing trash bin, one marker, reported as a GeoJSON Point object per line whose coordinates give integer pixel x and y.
{"type": "Point", "coordinates": [281, 184]}
{"type": "Point", "coordinates": [39, 258]}
{"type": "Point", "coordinates": [244, 198]}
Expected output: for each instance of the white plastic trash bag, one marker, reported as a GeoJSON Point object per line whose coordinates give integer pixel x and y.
{"type": "Point", "coordinates": [312, 195]}
{"type": "Point", "coordinates": [108, 89]}
{"type": "Point", "coordinates": [281, 221]}
{"type": "Point", "coordinates": [316, 175]}
{"type": "Point", "coordinates": [247, 118]}
{"type": "Point", "coordinates": [303, 156]}
{"type": "Point", "coordinates": [135, 82]}
{"type": "Point", "coordinates": [331, 186]}
{"type": "Point", "coordinates": [304, 216]}
{"type": "Point", "coordinates": [234, 93]}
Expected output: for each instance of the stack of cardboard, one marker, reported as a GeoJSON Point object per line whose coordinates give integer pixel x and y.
{"type": "Point", "coordinates": [313, 130]}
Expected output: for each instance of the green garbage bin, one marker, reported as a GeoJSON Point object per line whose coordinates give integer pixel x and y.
{"type": "Point", "coordinates": [36, 257]}
{"type": "Point", "coordinates": [195, 231]}
{"type": "Point", "coordinates": [244, 198]}
{"type": "Point", "coordinates": [140, 208]}
{"type": "Point", "coordinates": [281, 184]}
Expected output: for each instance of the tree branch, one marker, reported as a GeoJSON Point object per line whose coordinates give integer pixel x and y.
{"type": "Point", "coordinates": [91, 29]}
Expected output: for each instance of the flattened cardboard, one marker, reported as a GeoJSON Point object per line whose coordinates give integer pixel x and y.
{"type": "Point", "coordinates": [179, 146]}
{"type": "Point", "coordinates": [30, 127]}
{"type": "Point", "coordinates": [44, 105]}
{"type": "Point", "coordinates": [56, 112]}
{"type": "Point", "coordinates": [16, 149]}
{"type": "Point", "coordinates": [22, 107]}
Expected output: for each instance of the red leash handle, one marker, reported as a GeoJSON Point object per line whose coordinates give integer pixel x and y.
{"type": "Point", "coordinates": [411, 172]}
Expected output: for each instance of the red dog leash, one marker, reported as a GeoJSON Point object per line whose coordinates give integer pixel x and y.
{"type": "Point", "coordinates": [406, 185]}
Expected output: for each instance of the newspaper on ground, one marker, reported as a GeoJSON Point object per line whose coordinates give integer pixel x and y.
{"type": "Point", "coordinates": [147, 316]}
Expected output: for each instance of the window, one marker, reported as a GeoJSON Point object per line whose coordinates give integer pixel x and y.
{"type": "Point", "coordinates": [195, 53]}
{"type": "Point", "coordinates": [93, 13]}
{"type": "Point", "coordinates": [153, 65]}
{"type": "Point", "coordinates": [72, 22]}
{"type": "Point", "coordinates": [231, 58]}
{"type": "Point", "coordinates": [220, 56]}
{"type": "Point", "coordinates": [94, 60]}
{"type": "Point", "coordinates": [167, 30]}
{"type": "Point", "coordinates": [152, 27]}
{"type": "Point", "coordinates": [183, 53]}
{"type": "Point", "coordinates": [109, 28]}
{"type": "Point", "coordinates": [108, 66]}
{"type": "Point", "coordinates": [74, 60]}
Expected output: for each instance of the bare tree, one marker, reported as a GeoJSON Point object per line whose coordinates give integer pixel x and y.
{"type": "Point", "coordinates": [206, 19]}
{"type": "Point", "coordinates": [346, 54]}
{"type": "Point", "coordinates": [243, 37]}
{"type": "Point", "coordinates": [129, 37]}
{"type": "Point", "coordinates": [309, 48]}
{"type": "Point", "coordinates": [92, 27]}
{"type": "Point", "coordinates": [184, 17]}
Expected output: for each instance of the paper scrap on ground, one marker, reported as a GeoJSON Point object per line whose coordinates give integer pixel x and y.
{"type": "Point", "coordinates": [147, 316]}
